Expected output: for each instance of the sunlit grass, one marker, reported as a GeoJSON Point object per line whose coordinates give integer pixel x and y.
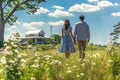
{"type": "Point", "coordinates": [35, 63]}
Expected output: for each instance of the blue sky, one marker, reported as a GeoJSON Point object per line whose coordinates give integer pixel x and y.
{"type": "Point", "coordinates": [101, 15]}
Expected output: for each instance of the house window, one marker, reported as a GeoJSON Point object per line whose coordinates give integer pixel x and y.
{"type": "Point", "coordinates": [31, 34]}
{"type": "Point", "coordinates": [41, 35]}
{"type": "Point", "coordinates": [35, 34]}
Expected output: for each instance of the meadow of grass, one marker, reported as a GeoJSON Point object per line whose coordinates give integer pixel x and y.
{"type": "Point", "coordinates": [45, 62]}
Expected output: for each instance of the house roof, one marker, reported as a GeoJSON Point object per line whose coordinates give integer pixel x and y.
{"type": "Point", "coordinates": [33, 37]}
{"type": "Point", "coordinates": [35, 32]}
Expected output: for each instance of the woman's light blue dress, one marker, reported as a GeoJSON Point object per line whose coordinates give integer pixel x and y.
{"type": "Point", "coordinates": [66, 42]}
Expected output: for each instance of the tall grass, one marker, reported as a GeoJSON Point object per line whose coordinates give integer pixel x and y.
{"type": "Point", "coordinates": [114, 53]}
{"type": "Point", "coordinates": [44, 62]}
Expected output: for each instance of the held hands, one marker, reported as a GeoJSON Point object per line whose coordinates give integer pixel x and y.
{"type": "Point", "coordinates": [74, 41]}
{"type": "Point", "coordinates": [88, 41]}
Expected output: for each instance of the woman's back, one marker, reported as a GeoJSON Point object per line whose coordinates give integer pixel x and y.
{"type": "Point", "coordinates": [66, 32]}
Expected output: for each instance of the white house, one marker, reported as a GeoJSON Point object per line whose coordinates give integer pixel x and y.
{"type": "Point", "coordinates": [36, 36]}
{"type": "Point", "coordinates": [39, 33]}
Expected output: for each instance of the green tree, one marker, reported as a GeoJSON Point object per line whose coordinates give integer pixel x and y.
{"type": "Point", "coordinates": [114, 51]}
{"type": "Point", "coordinates": [56, 38]}
{"type": "Point", "coordinates": [116, 32]}
{"type": "Point", "coordinates": [9, 7]}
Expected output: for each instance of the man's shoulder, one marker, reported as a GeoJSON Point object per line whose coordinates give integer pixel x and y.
{"type": "Point", "coordinates": [77, 23]}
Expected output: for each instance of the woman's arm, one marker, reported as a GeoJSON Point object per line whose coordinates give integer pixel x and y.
{"type": "Point", "coordinates": [72, 36]}
{"type": "Point", "coordinates": [62, 33]}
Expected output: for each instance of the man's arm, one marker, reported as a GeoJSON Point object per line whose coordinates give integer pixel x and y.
{"type": "Point", "coordinates": [75, 32]}
{"type": "Point", "coordinates": [88, 34]}
{"type": "Point", "coordinates": [72, 36]}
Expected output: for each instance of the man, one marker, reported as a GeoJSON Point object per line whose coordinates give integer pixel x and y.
{"type": "Point", "coordinates": [82, 35]}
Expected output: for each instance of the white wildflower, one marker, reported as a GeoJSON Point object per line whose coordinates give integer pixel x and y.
{"type": "Point", "coordinates": [50, 56]}
{"type": "Point", "coordinates": [79, 60]}
{"type": "Point", "coordinates": [68, 68]}
{"type": "Point", "coordinates": [56, 61]}
{"type": "Point", "coordinates": [15, 45]}
{"type": "Point", "coordinates": [98, 54]}
{"type": "Point", "coordinates": [94, 55]}
{"type": "Point", "coordinates": [7, 48]}
{"type": "Point", "coordinates": [74, 66]}
{"type": "Point", "coordinates": [23, 61]}
{"type": "Point", "coordinates": [109, 61]}
{"type": "Point", "coordinates": [86, 60]}
{"type": "Point", "coordinates": [5, 45]}
{"type": "Point", "coordinates": [35, 65]}
{"type": "Point", "coordinates": [7, 52]}
{"type": "Point", "coordinates": [78, 75]}
{"type": "Point", "coordinates": [107, 64]}
{"type": "Point", "coordinates": [16, 51]}
{"type": "Point", "coordinates": [23, 65]}
{"type": "Point", "coordinates": [24, 54]}
{"type": "Point", "coordinates": [12, 43]}
{"type": "Point", "coordinates": [16, 59]}
{"type": "Point", "coordinates": [12, 61]}
{"type": "Point", "coordinates": [3, 60]}
{"type": "Point", "coordinates": [51, 63]}
{"type": "Point", "coordinates": [69, 71]}
{"type": "Point", "coordinates": [19, 56]}
{"type": "Point", "coordinates": [82, 74]}
{"type": "Point", "coordinates": [94, 63]}
{"type": "Point", "coordinates": [36, 60]}
{"type": "Point", "coordinates": [29, 47]}
{"type": "Point", "coordinates": [47, 69]}
{"type": "Point", "coordinates": [66, 64]}
{"type": "Point", "coordinates": [1, 70]}
{"type": "Point", "coordinates": [48, 79]}
{"type": "Point", "coordinates": [83, 64]}
{"type": "Point", "coordinates": [60, 63]}
{"type": "Point", "coordinates": [47, 58]}
{"type": "Point", "coordinates": [36, 54]}
{"type": "Point", "coordinates": [32, 78]}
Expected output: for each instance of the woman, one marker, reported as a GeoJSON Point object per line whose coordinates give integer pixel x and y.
{"type": "Point", "coordinates": [67, 45]}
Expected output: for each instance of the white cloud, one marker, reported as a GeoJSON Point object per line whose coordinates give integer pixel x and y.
{"type": "Point", "coordinates": [60, 13]}
{"type": "Point", "coordinates": [58, 7]}
{"type": "Point", "coordinates": [84, 8]}
{"type": "Point", "coordinates": [37, 23]}
{"type": "Point", "coordinates": [99, 4]}
{"type": "Point", "coordinates": [116, 14]}
{"type": "Point", "coordinates": [93, 0]}
{"type": "Point", "coordinates": [57, 23]}
{"type": "Point", "coordinates": [116, 4]}
{"type": "Point", "coordinates": [13, 27]}
{"type": "Point", "coordinates": [33, 25]}
{"type": "Point", "coordinates": [28, 26]}
{"type": "Point", "coordinates": [41, 10]}
{"type": "Point", "coordinates": [104, 4]}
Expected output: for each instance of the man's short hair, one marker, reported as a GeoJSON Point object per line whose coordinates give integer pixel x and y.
{"type": "Point", "coordinates": [81, 17]}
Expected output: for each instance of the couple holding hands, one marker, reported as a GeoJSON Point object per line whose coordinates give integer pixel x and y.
{"type": "Point", "coordinates": [81, 37]}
